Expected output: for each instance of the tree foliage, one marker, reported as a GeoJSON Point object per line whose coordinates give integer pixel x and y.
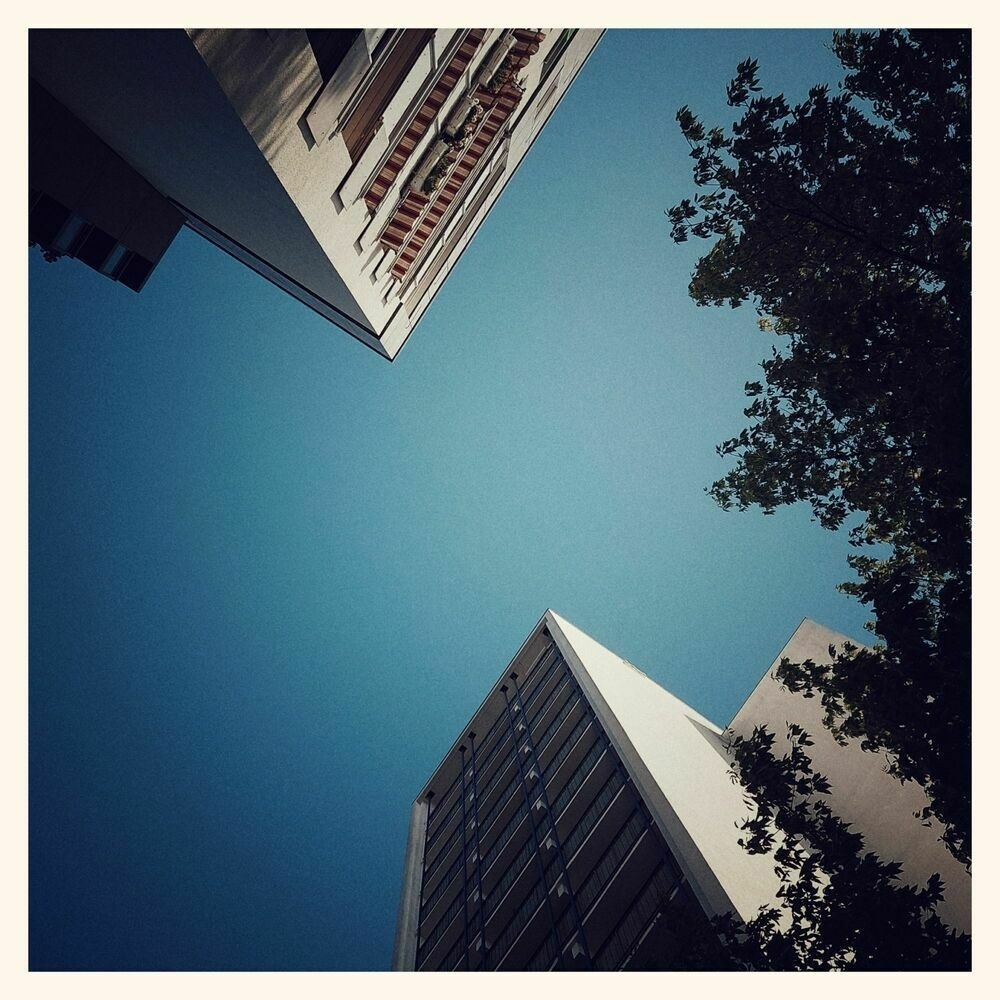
{"type": "Point", "coordinates": [845, 220]}
{"type": "Point", "coordinates": [841, 907]}
{"type": "Point", "coordinates": [50, 255]}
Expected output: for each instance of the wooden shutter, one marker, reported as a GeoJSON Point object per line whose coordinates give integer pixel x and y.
{"type": "Point", "coordinates": [360, 127]}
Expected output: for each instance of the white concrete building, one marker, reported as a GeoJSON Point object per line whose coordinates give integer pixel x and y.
{"type": "Point", "coordinates": [586, 819]}
{"type": "Point", "coordinates": [595, 819]}
{"type": "Point", "coordinates": [861, 792]}
{"type": "Point", "coordinates": [351, 167]}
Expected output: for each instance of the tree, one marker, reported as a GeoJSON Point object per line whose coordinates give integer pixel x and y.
{"type": "Point", "coordinates": [840, 906]}
{"type": "Point", "coordinates": [50, 255]}
{"type": "Point", "coordinates": [845, 220]}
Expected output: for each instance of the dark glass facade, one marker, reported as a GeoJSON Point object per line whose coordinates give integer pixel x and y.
{"type": "Point", "coordinates": [540, 854]}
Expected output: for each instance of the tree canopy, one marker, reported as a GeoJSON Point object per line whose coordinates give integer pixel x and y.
{"type": "Point", "coordinates": [845, 221]}
{"type": "Point", "coordinates": [842, 907]}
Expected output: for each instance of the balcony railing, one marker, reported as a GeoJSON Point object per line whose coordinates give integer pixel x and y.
{"type": "Point", "coordinates": [636, 919]}
{"type": "Point", "coordinates": [612, 858]}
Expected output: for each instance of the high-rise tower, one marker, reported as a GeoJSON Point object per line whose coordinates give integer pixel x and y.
{"type": "Point", "coordinates": [351, 167]}
{"type": "Point", "coordinates": [582, 820]}
{"type": "Point", "coordinates": [586, 818]}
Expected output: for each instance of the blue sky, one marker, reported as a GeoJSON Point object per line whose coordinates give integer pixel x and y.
{"type": "Point", "coordinates": [272, 575]}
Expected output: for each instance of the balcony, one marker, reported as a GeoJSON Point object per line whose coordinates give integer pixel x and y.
{"type": "Point", "coordinates": [570, 799]}
{"type": "Point", "coordinates": [621, 890]}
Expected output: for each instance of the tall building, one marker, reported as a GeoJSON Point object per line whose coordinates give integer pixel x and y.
{"type": "Point", "coordinates": [351, 167]}
{"type": "Point", "coordinates": [585, 818]}
{"type": "Point", "coordinates": [582, 820]}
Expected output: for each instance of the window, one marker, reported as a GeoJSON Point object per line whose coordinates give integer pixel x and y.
{"type": "Point", "coordinates": [135, 272]}
{"type": "Point", "coordinates": [554, 54]}
{"type": "Point", "coordinates": [46, 219]}
{"type": "Point", "coordinates": [361, 125]}
{"type": "Point", "coordinates": [95, 247]}
{"type": "Point", "coordinates": [59, 231]}
{"type": "Point", "coordinates": [71, 235]}
{"type": "Point", "coordinates": [115, 260]}
{"type": "Point", "coordinates": [544, 103]}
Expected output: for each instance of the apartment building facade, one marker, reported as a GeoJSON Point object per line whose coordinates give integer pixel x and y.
{"type": "Point", "coordinates": [350, 167]}
{"type": "Point", "coordinates": [578, 823]}
{"type": "Point", "coordinates": [586, 819]}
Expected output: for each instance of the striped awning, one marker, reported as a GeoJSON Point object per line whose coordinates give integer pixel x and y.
{"type": "Point", "coordinates": [417, 214]}
{"type": "Point", "coordinates": [424, 117]}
